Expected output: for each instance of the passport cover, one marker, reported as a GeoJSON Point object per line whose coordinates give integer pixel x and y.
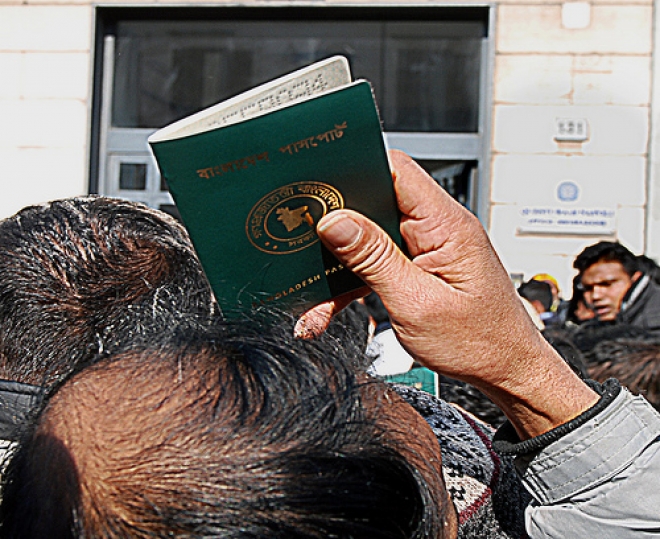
{"type": "Point", "coordinates": [251, 193]}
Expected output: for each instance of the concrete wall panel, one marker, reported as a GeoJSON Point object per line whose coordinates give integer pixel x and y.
{"type": "Point", "coordinates": [603, 181]}
{"type": "Point", "coordinates": [622, 29]}
{"type": "Point", "coordinates": [529, 129]}
{"type": "Point", "coordinates": [35, 175]}
{"type": "Point", "coordinates": [46, 28]}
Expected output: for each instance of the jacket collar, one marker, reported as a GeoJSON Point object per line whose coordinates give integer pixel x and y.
{"type": "Point", "coordinates": [634, 292]}
{"type": "Point", "coordinates": [17, 401]}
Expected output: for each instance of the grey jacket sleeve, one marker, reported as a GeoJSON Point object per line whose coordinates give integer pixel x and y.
{"type": "Point", "coordinates": [600, 477]}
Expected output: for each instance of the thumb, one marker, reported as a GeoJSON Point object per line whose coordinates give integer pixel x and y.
{"type": "Point", "coordinates": [367, 250]}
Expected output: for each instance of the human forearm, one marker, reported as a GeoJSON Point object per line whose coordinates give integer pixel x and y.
{"type": "Point", "coordinates": [543, 396]}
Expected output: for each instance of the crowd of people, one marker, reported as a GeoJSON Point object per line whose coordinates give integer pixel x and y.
{"type": "Point", "coordinates": [612, 319]}
{"type": "Point", "coordinates": [130, 408]}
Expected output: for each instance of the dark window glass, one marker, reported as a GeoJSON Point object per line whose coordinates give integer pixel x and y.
{"type": "Point", "coordinates": [171, 209]}
{"type": "Point", "coordinates": [133, 176]}
{"type": "Point", "coordinates": [425, 74]}
{"type": "Point", "coordinates": [453, 176]}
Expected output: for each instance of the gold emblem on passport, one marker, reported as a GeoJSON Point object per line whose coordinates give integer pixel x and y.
{"type": "Point", "coordinates": [284, 221]}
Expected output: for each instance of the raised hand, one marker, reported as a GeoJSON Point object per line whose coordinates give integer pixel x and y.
{"type": "Point", "coordinates": [452, 304]}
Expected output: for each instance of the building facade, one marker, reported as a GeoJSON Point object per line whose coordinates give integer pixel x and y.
{"type": "Point", "coordinates": [539, 116]}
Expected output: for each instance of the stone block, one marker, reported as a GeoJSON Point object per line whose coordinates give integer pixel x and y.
{"type": "Point", "coordinates": [614, 29]}
{"type": "Point", "coordinates": [612, 130]}
{"type": "Point", "coordinates": [611, 80]}
{"type": "Point", "coordinates": [532, 79]}
{"type": "Point", "coordinates": [543, 79]}
{"type": "Point", "coordinates": [609, 181]}
{"type": "Point", "coordinates": [631, 228]}
{"type": "Point", "coordinates": [58, 75]}
{"type": "Point", "coordinates": [46, 28]}
{"type": "Point", "coordinates": [600, 2]}
{"type": "Point", "coordinates": [60, 173]}
{"type": "Point", "coordinates": [43, 124]}
{"type": "Point", "coordinates": [11, 69]}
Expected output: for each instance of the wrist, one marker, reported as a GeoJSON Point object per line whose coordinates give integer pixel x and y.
{"type": "Point", "coordinates": [507, 441]}
{"type": "Point", "coordinates": [541, 394]}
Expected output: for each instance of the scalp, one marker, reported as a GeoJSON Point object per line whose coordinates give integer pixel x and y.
{"type": "Point", "coordinates": [78, 275]}
{"type": "Point", "coordinates": [241, 440]}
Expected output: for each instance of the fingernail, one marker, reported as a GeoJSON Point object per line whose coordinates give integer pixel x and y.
{"type": "Point", "coordinates": [313, 323]}
{"type": "Point", "coordinates": [340, 231]}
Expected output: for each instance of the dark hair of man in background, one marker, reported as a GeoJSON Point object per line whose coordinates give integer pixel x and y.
{"type": "Point", "coordinates": [537, 291]}
{"type": "Point", "coordinates": [649, 267]}
{"type": "Point", "coordinates": [376, 308]}
{"type": "Point", "coordinates": [244, 434]}
{"type": "Point", "coordinates": [635, 363]}
{"type": "Point", "coordinates": [606, 251]}
{"type": "Point", "coordinates": [82, 275]}
{"type": "Point", "coordinates": [617, 289]}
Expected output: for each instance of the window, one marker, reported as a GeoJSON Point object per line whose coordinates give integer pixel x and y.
{"type": "Point", "coordinates": [427, 67]}
{"type": "Point", "coordinates": [425, 74]}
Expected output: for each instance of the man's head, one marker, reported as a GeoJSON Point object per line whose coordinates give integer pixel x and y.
{"type": "Point", "coordinates": [554, 285]}
{"type": "Point", "coordinates": [607, 271]}
{"type": "Point", "coordinates": [538, 293]}
{"type": "Point", "coordinates": [242, 434]}
{"type": "Point", "coordinates": [86, 274]}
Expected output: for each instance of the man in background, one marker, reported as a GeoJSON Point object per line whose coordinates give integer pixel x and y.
{"type": "Point", "coordinates": [616, 289]}
{"type": "Point", "coordinates": [539, 296]}
{"type": "Point", "coordinates": [559, 308]}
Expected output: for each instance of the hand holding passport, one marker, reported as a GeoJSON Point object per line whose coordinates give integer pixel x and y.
{"type": "Point", "coordinates": [252, 176]}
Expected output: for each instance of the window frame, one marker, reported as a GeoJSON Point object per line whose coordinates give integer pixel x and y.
{"type": "Point", "coordinates": [111, 145]}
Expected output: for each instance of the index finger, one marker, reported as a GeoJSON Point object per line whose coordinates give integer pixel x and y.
{"type": "Point", "coordinates": [428, 211]}
{"type": "Point", "coordinates": [316, 320]}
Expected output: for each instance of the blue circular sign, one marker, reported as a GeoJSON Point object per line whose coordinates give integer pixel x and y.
{"type": "Point", "coordinates": [568, 191]}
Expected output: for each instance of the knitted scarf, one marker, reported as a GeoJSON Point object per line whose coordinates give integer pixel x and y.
{"type": "Point", "coordinates": [489, 498]}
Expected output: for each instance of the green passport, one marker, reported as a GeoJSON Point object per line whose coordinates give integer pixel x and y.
{"type": "Point", "coordinates": [252, 176]}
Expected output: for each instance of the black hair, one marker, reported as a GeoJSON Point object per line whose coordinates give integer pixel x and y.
{"type": "Point", "coordinates": [470, 399]}
{"type": "Point", "coordinates": [86, 274]}
{"type": "Point", "coordinates": [241, 433]}
{"type": "Point", "coordinates": [589, 334]}
{"type": "Point", "coordinates": [537, 291]}
{"type": "Point", "coordinates": [650, 267]}
{"type": "Point", "coordinates": [635, 363]}
{"type": "Point", "coordinates": [376, 308]}
{"type": "Point", "coordinates": [607, 251]}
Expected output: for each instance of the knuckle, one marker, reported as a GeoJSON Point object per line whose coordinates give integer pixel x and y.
{"type": "Point", "coordinates": [372, 256]}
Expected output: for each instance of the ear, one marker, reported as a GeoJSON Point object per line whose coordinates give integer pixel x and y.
{"type": "Point", "coordinates": [538, 305]}
{"type": "Point", "coordinates": [636, 276]}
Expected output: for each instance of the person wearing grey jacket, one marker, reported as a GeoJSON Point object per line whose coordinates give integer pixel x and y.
{"type": "Point", "coordinates": [618, 288]}
{"type": "Point", "coordinates": [588, 454]}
